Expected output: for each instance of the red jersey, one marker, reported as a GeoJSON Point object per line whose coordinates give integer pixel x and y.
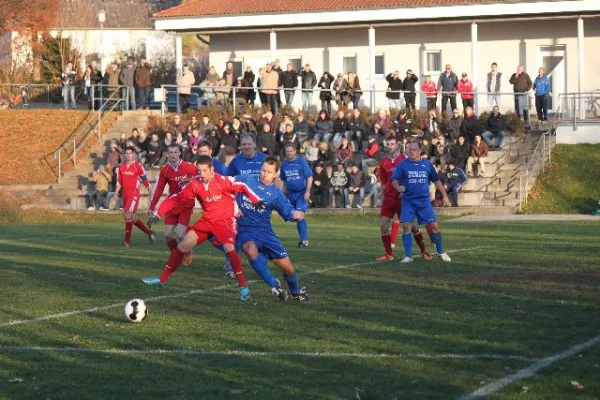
{"type": "Point", "coordinates": [217, 197]}
{"type": "Point", "coordinates": [173, 176]}
{"type": "Point", "coordinates": [386, 168]}
{"type": "Point", "coordinates": [129, 178]}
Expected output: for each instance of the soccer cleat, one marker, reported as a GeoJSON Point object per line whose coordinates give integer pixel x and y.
{"type": "Point", "coordinates": [153, 281]}
{"type": "Point", "coordinates": [406, 260]}
{"type": "Point", "coordinates": [187, 258]}
{"type": "Point", "coordinates": [279, 292]}
{"type": "Point", "coordinates": [445, 257]}
{"type": "Point", "coordinates": [426, 256]}
{"type": "Point", "coordinates": [393, 245]}
{"type": "Point", "coordinates": [301, 295]}
{"type": "Point", "coordinates": [228, 270]}
{"type": "Point", "coordinates": [152, 237]}
{"type": "Point", "coordinates": [386, 257]}
{"type": "Point", "coordinates": [126, 245]}
{"type": "Point", "coordinates": [244, 293]}
{"type": "Point", "coordinates": [303, 244]}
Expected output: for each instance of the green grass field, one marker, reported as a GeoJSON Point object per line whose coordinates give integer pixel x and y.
{"type": "Point", "coordinates": [514, 294]}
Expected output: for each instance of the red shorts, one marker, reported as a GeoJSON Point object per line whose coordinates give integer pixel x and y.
{"type": "Point", "coordinates": [179, 216]}
{"type": "Point", "coordinates": [131, 203]}
{"type": "Point", "coordinates": [223, 230]}
{"type": "Point", "coordinates": [390, 206]}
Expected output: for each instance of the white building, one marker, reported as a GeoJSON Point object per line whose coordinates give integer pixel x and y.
{"type": "Point", "coordinates": [374, 38]}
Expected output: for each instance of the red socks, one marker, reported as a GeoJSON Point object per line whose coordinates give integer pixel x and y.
{"type": "Point", "coordinates": [419, 239]}
{"type": "Point", "coordinates": [395, 229]}
{"type": "Point", "coordinates": [236, 264]}
{"type": "Point", "coordinates": [142, 227]}
{"type": "Point", "coordinates": [387, 243]}
{"type": "Point", "coordinates": [429, 232]}
{"type": "Point", "coordinates": [171, 244]}
{"type": "Point", "coordinates": [172, 263]}
{"type": "Point", "coordinates": [128, 229]}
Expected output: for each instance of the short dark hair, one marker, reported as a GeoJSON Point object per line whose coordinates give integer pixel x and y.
{"type": "Point", "coordinates": [204, 160]}
{"type": "Point", "coordinates": [289, 144]}
{"type": "Point", "coordinates": [247, 134]}
{"type": "Point", "coordinates": [272, 161]}
{"type": "Point", "coordinates": [391, 137]}
{"type": "Point", "coordinates": [494, 63]}
{"type": "Point", "coordinates": [174, 146]}
{"type": "Point", "coordinates": [130, 148]}
{"type": "Point", "coordinates": [205, 143]}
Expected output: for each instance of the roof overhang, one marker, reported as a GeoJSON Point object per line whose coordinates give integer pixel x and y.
{"type": "Point", "coordinates": [464, 13]}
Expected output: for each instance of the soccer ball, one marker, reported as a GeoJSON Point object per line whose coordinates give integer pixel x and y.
{"type": "Point", "coordinates": [136, 311]}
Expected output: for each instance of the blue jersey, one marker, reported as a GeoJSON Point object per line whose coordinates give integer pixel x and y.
{"type": "Point", "coordinates": [220, 168]}
{"type": "Point", "coordinates": [415, 177]}
{"type": "Point", "coordinates": [242, 165]}
{"type": "Point", "coordinates": [254, 219]}
{"type": "Point", "coordinates": [295, 174]}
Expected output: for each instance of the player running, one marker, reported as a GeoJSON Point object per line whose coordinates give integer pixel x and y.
{"type": "Point", "coordinates": [129, 174]}
{"type": "Point", "coordinates": [248, 161]}
{"type": "Point", "coordinates": [216, 194]}
{"type": "Point", "coordinates": [391, 203]}
{"type": "Point", "coordinates": [411, 179]}
{"type": "Point", "coordinates": [176, 173]}
{"type": "Point", "coordinates": [297, 176]}
{"type": "Point", "coordinates": [256, 237]}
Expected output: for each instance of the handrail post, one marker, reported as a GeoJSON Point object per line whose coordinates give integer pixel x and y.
{"type": "Point", "coordinates": [74, 153]}
{"type": "Point", "coordinates": [127, 98]}
{"type": "Point", "coordinates": [48, 92]}
{"type": "Point", "coordinates": [233, 100]}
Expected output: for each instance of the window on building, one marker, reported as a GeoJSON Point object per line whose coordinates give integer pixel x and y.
{"type": "Point", "coordinates": [238, 68]}
{"type": "Point", "coordinates": [379, 65]}
{"type": "Point", "coordinates": [349, 64]}
{"type": "Point", "coordinates": [296, 62]}
{"type": "Point", "coordinates": [433, 61]}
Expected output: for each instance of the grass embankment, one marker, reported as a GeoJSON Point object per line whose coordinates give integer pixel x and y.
{"type": "Point", "coordinates": [570, 184]}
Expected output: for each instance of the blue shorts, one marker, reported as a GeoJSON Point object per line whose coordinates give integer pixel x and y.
{"type": "Point", "coordinates": [420, 208]}
{"type": "Point", "coordinates": [297, 200]}
{"type": "Point", "coordinates": [266, 243]}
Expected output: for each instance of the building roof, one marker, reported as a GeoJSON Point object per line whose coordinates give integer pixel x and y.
{"type": "Point", "coordinates": [120, 14]}
{"type": "Point", "coordinates": [220, 7]}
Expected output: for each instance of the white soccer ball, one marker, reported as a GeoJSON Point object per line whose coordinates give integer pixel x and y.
{"type": "Point", "coordinates": [136, 310]}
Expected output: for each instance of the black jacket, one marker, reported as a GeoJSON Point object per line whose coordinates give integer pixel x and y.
{"type": "Point", "coordinates": [321, 177]}
{"type": "Point", "coordinates": [496, 124]}
{"type": "Point", "coordinates": [470, 128]}
{"type": "Point", "coordinates": [301, 127]}
{"type": "Point", "coordinates": [393, 84]}
{"type": "Point", "coordinates": [325, 83]}
{"type": "Point", "coordinates": [268, 141]}
{"type": "Point", "coordinates": [460, 153]}
{"type": "Point", "coordinates": [357, 124]}
{"type": "Point", "coordinates": [289, 79]}
{"type": "Point", "coordinates": [340, 125]}
{"type": "Point", "coordinates": [229, 140]}
{"type": "Point", "coordinates": [309, 79]}
{"type": "Point", "coordinates": [409, 83]}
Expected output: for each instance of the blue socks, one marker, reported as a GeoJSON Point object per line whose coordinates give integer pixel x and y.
{"type": "Point", "coordinates": [302, 230]}
{"type": "Point", "coordinates": [261, 266]}
{"type": "Point", "coordinates": [437, 239]}
{"type": "Point", "coordinates": [292, 281]}
{"type": "Point", "coordinates": [407, 242]}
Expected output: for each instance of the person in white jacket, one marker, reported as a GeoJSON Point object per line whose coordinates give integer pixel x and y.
{"type": "Point", "coordinates": [184, 83]}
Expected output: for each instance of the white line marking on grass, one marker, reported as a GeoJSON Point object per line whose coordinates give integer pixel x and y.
{"type": "Point", "coordinates": [243, 353]}
{"type": "Point", "coordinates": [52, 237]}
{"type": "Point", "coordinates": [530, 371]}
{"type": "Point", "coordinates": [187, 294]}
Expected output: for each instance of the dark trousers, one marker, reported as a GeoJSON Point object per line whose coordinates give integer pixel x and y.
{"type": "Point", "coordinates": [453, 190]}
{"type": "Point", "coordinates": [445, 99]}
{"type": "Point", "coordinates": [263, 98]}
{"type": "Point", "coordinates": [271, 100]}
{"type": "Point", "coordinates": [144, 97]}
{"type": "Point", "coordinates": [326, 105]}
{"type": "Point", "coordinates": [409, 99]}
{"type": "Point", "coordinates": [541, 106]}
{"type": "Point", "coordinates": [431, 103]}
{"type": "Point", "coordinates": [184, 102]}
{"type": "Point", "coordinates": [319, 196]}
{"type": "Point", "coordinates": [467, 103]}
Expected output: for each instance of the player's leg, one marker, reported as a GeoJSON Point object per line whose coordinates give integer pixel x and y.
{"type": "Point", "coordinates": [291, 277]}
{"type": "Point", "coordinates": [236, 264]}
{"type": "Point", "coordinates": [302, 225]}
{"type": "Point", "coordinates": [170, 237]}
{"type": "Point", "coordinates": [407, 217]}
{"type": "Point", "coordinates": [395, 230]}
{"type": "Point", "coordinates": [260, 264]}
{"type": "Point", "coordinates": [128, 217]}
{"type": "Point", "coordinates": [138, 223]}
{"type": "Point", "coordinates": [426, 214]}
{"type": "Point", "coordinates": [418, 236]}
{"type": "Point", "coordinates": [179, 234]}
{"type": "Point", "coordinates": [384, 226]}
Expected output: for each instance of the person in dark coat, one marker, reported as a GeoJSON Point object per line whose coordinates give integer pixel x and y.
{"type": "Point", "coordinates": [460, 152]}
{"type": "Point", "coordinates": [470, 126]}
{"type": "Point", "coordinates": [249, 78]}
{"type": "Point", "coordinates": [408, 86]}
{"type": "Point", "coordinates": [319, 192]}
{"type": "Point", "coordinates": [325, 95]}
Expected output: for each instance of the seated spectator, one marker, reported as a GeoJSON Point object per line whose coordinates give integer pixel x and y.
{"type": "Point", "coordinates": [496, 128]}
{"type": "Point", "coordinates": [192, 152]}
{"type": "Point", "coordinates": [356, 186]}
{"type": "Point", "coordinates": [378, 133]}
{"type": "Point", "coordinates": [370, 154]}
{"type": "Point", "coordinates": [288, 137]}
{"type": "Point", "coordinates": [311, 152]}
{"type": "Point", "coordinates": [122, 142]}
{"type": "Point", "coordinates": [342, 92]}
{"type": "Point", "coordinates": [167, 141]}
{"type": "Point", "coordinates": [102, 179]}
{"type": "Point", "coordinates": [142, 144]}
{"type": "Point", "coordinates": [403, 126]}
{"type": "Point", "coordinates": [236, 127]}
{"type": "Point", "coordinates": [344, 154]}
{"type": "Point", "coordinates": [372, 188]}
{"type": "Point", "coordinates": [356, 128]}
{"type": "Point", "coordinates": [214, 138]}
{"type": "Point", "coordinates": [267, 118]}
{"type": "Point", "coordinates": [194, 138]}
{"type": "Point", "coordinates": [454, 126]}
{"type": "Point", "coordinates": [209, 97]}
{"type": "Point", "coordinates": [460, 152]}
{"type": "Point", "coordinates": [301, 128]}
{"type": "Point", "coordinates": [383, 119]}
{"type": "Point", "coordinates": [155, 150]}
{"type": "Point", "coordinates": [441, 152]}
{"type": "Point", "coordinates": [426, 149]}
{"type": "Point", "coordinates": [134, 134]}
{"type": "Point", "coordinates": [287, 121]}
{"type": "Point", "coordinates": [133, 143]}
{"type": "Point", "coordinates": [206, 126]}
{"type": "Point", "coordinates": [229, 144]}
{"type": "Point", "coordinates": [182, 142]}
{"type": "Point", "coordinates": [177, 126]}
{"type": "Point", "coordinates": [241, 94]}
{"type": "Point", "coordinates": [267, 141]}
{"type": "Point", "coordinates": [323, 127]}
{"type": "Point", "coordinates": [248, 125]}
{"type": "Point", "coordinates": [194, 124]}
{"type": "Point", "coordinates": [431, 126]}
{"type": "Point", "coordinates": [470, 126]}
{"type": "Point", "coordinates": [325, 155]}
{"type": "Point", "coordinates": [319, 192]}
{"type": "Point", "coordinates": [455, 180]}
{"type": "Point", "coordinates": [339, 184]}
{"type": "Point", "coordinates": [479, 153]}
{"type": "Point", "coordinates": [340, 127]}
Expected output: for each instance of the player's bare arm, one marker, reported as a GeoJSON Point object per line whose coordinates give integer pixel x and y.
{"type": "Point", "coordinates": [439, 186]}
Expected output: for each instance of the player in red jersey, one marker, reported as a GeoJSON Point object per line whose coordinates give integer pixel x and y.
{"type": "Point", "coordinates": [129, 174]}
{"type": "Point", "coordinates": [391, 203]}
{"type": "Point", "coordinates": [176, 173]}
{"type": "Point", "coordinates": [216, 194]}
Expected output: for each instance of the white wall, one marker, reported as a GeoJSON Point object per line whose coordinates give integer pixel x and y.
{"type": "Point", "coordinates": [583, 133]}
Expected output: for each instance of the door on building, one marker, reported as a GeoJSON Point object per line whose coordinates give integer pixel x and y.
{"type": "Point", "coordinates": [553, 60]}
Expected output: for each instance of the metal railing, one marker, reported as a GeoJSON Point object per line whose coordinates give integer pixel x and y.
{"type": "Point", "coordinates": [578, 107]}
{"type": "Point", "coordinates": [29, 92]}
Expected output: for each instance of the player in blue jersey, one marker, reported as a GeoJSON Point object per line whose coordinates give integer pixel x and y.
{"type": "Point", "coordinates": [297, 176]}
{"type": "Point", "coordinates": [411, 178]}
{"type": "Point", "coordinates": [205, 149]}
{"type": "Point", "coordinates": [255, 235]}
{"type": "Point", "coordinates": [248, 161]}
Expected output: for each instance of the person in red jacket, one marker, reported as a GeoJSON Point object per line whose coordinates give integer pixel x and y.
{"type": "Point", "coordinates": [428, 87]}
{"type": "Point", "coordinates": [465, 88]}
{"type": "Point", "coordinates": [216, 195]}
{"type": "Point", "coordinates": [370, 154]}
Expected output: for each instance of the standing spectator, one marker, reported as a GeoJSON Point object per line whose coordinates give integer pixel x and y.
{"type": "Point", "coordinates": [371, 154]}
{"type": "Point", "coordinates": [447, 85]}
{"type": "Point", "coordinates": [111, 78]}
{"type": "Point", "coordinates": [301, 128]}
{"type": "Point", "coordinates": [323, 127]}
{"type": "Point", "coordinates": [355, 90]}
{"type": "Point", "coordinates": [259, 85]}
{"type": "Point", "coordinates": [222, 92]}
{"type": "Point", "coordinates": [325, 94]}
{"type": "Point", "coordinates": [344, 154]}
{"type": "Point", "coordinates": [249, 78]}
{"type": "Point", "coordinates": [228, 74]}
{"type": "Point", "coordinates": [494, 85]}
{"type": "Point", "coordinates": [289, 81]}
{"type": "Point", "coordinates": [460, 152]}
{"type": "Point", "coordinates": [184, 83]}
{"type": "Point", "coordinates": [441, 152]}
{"type": "Point", "coordinates": [309, 81]}
{"type": "Point", "coordinates": [325, 154]}
{"type": "Point", "coordinates": [356, 128]}
{"type": "Point", "coordinates": [454, 126]}
{"type": "Point", "coordinates": [270, 85]}
{"type": "Point", "coordinates": [311, 152]}
{"type": "Point", "coordinates": [154, 152]}
{"type": "Point", "coordinates": [212, 75]}
{"type": "Point", "coordinates": [208, 93]}
{"type": "Point", "coordinates": [431, 126]}
{"type": "Point", "coordinates": [428, 87]}
{"type": "Point", "coordinates": [465, 88]}
{"type": "Point", "coordinates": [409, 90]}
{"type": "Point", "coordinates": [394, 90]}
{"type": "Point", "coordinates": [319, 196]}
{"type": "Point", "coordinates": [496, 128]}
{"type": "Point", "coordinates": [96, 79]}
{"type": "Point", "coordinates": [340, 128]}
{"type": "Point", "coordinates": [470, 126]}
{"type": "Point", "coordinates": [277, 68]}
{"type": "Point", "coordinates": [541, 86]}
{"type": "Point", "coordinates": [127, 78]}
{"type": "Point", "coordinates": [521, 86]}
{"type": "Point", "coordinates": [267, 141]}
{"type": "Point", "coordinates": [339, 185]}
{"type": "Point", "coordinates": [143, 82]}
{"type": "Point", "coordinates": [241, 93]}
{"type": "Point", "coordinates": [342, 94]}
{"type": "Point", "coordinates": [479, 153]}
{"type": "Point", "coordinates": [87, 85]}
{"type": "Point", "coordinates": [356, 186]}
{"type": "Point", "coordinates": [402, 125]}
{"type": "Point", "coordinates": [69, 78]}
{"type": "Point", "coordinates": [455, 180]}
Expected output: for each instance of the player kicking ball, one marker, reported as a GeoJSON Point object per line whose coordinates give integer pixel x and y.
{"type": "Point", "coordinates": [411, 179]}
{"type": "Point", "coordinates": [129, 174]}
{"type": "Point", "coordinates": [255, 232]}
{"type": "Point", "coordinates": [216, 195]}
